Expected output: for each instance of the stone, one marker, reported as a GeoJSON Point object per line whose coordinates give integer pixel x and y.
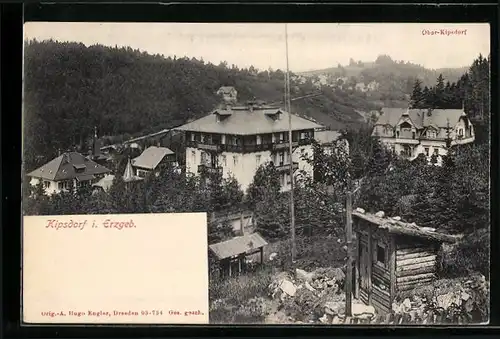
{"type": "Point", "coordinates": [337, 307]}
{"type": "Point", "coordinates": [406, 304]}
{"type": "Point", "coordinates": [288, 287]}
{"type": "Point", "coordinates": [362, 309]}
{"type": "Point", "coordinates": [304, 275]}
{"type": "Point", "coordinates": [273, 256]}
{"type": "Point", "coordinates": [309, 287]}
{"type": "Point", "coordinates": [324, 319]}
{"type": "Point", "coordinates": [380, 214]}
{"type": "Point", "coordinates": [360, 210]}
{"type": "Point", "coordinates": [465, 296]}
{"type": "Point", "coordinates": [397, 218]}
{"type": "Point", "coordinates": [336, 320]}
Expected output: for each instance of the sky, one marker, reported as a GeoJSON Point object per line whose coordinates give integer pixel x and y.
{"type": "Point", "coordinates": [311, 46]}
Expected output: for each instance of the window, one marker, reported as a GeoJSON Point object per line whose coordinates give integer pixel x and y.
{"type": "Point", "coordinates": [381, 254]}
{"type": "Point", "coordinates": [282, 158]}
{"type": "Point", "coordinates": [460, 132]}
{"type": "Point", "coordinates": [193, 156]}
{"type": "Point", "coordinates": [431, 134]}
{"type": "Point", "coordinates": [427, 151]}
{"type": "Point", "coordinates": [46, 184]}
{"type": "Point", "coordinates": [282, 137]}
{"type": "Point", "coordinates": [257, 159]}
{"type": "Point", "coordinates": [192, 136]}
{"type": "Point", "coordinates": [224, 160]}
{"type": "Point", "coordinates": [436, 151]}
{"type": "Point", "coordinates": [235, 160]}
{"type": "Point", "coordinates": [413, 135]}
{"type": "Point", "coordinates": [397, 134]}
{"type": "Point", "coordinates": [202, 138]}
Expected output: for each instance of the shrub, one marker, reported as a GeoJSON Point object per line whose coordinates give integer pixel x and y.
{"type": "Point", "coordinates": [469, 256]}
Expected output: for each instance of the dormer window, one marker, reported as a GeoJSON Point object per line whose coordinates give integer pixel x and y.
{"type": "Point", "coordinates": [79, 168]}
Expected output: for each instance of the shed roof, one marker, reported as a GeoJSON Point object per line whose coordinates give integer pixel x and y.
{"type": "Point", "coordinates": [403, 228]}
{"type": "Point", "coordinates": [238, 245]}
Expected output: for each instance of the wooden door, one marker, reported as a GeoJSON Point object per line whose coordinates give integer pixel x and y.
{"type": "Point", "coordinates": [364, 272]}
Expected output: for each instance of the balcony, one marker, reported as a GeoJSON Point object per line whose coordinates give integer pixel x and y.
{"type": "Point", "coordinates": [280, 167]}
{"type": "Point", "coordinates": [284, 145]}
{"type": "Point", "coordinates": [407, 141]}
{"type": "Point", "coordinates": [207, 169]}
{"type": "Point", "coordinates": [460, 140]}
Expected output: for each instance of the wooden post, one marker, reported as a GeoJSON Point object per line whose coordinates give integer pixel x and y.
{"type": "Point", "coordinates": [229, 261]}
{"type": "Point", "coordinates": [370, 263]}
{"type": "Point", "coordinates": [262, 255]}
{"type": "Point", "coordinates": [356, 273]}
{"type": "Point", "coordinates": [392, 269]}
{"type": "Point", "coordinates": [348, 278]}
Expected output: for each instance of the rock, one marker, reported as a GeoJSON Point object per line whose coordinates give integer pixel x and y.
{"type": "Point", "coordinates": [324, 319]}
{"type": "Point", "coordinates": [288, 287]}
{"type": "Point", "coordinates": [336, 307]}
{"type": "Point", "coordinates": [406, 304]}
{"type": "Point", "coordinates": [309, 287]}
{"type": "Point", "coordinates": [465, 296]}
{"type": "Point", "coordinates": [429, 229]}
{"type": "Point", "coordinates": [329, 311]}
{"type": "Point", "coordinates": [336, 320]}
{"type": "Point", "coordinates": [380, 214]}
{"type": "Point", "coordinates": [273, 256]}
{"type": "Point", "coordinates": [397, 218]}
{"type": "Point", "coordinates": [362, 309]}
{"type": "Point", "coordinates": [360, 210]}
{"type": "Point", "coordinates": [304, 275]}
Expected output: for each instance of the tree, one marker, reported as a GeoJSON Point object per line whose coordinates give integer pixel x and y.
{"type": "Point", "coordinates": [417, 98]}
{"type": "Point", "coordinates": [266, 184]}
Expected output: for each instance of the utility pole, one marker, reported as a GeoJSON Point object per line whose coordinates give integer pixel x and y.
{"type": "Point", "coordinates": [348, 234]}
{"type": "Point", "coordinates": [289, 110]}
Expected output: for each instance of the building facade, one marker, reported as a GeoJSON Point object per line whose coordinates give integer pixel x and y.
{"type": "Point", "coordinates": [237, 140]}
{"type": "Point", "coordinates": [410, 132]}
{"type": "Point", "coordinates": [151, 160]}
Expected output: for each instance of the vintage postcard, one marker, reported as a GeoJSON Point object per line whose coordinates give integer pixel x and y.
{"type": "Point", "coordinates": [225, 173]}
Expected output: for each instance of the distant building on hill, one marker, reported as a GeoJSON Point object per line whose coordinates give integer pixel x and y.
{"type": "Point", "coordinates": [410, 132]}
{"type": "Point", "coordinates": [237, 140]}
{"type": "Point", "coordinates": [67, 172]}
{"type": "Point", "coordinates": [228, 94]}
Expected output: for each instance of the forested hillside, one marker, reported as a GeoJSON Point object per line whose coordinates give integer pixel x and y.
{"type": "Point", "coordinates": [71, 88]}
{"type": "Point", "coordinates": [394, 79]}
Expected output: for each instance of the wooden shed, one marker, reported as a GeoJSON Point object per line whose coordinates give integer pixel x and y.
{"type": "Point", "coordinates": [232, 253]}
{"type": "Point", "coordinates": [392, 256]}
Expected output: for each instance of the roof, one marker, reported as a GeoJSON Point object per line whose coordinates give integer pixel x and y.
{"type": "Point", "coordinates": [403, 228]}
{"type": "Point", "coordinates": [420, 117]}
{"type": "Point", "coordinates": [65, 166]}
{"type": "Point", "coordinates": [243, 121]}
{"type": "Point", "coordinates": [326, 137]}
{"type": "Point", "coordinates": [226, 89]}
{"type": "Point", "coordinates": [151, 157]}
{"type": "Point", "coordinates": [106, 182]}
{"type": "Point", "coordinates": [238, 245]}
{"type": "Point", "coordinates": [128, 174]}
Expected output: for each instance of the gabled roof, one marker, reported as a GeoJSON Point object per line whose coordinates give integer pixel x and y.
{"type": "Point", "coordinates": [67, 166]}
{"type": "Point", "coordinates": [238, 245]}
{"type": "Point", "coordinates": [403, 228]}
{"type": "Point", "coordinates": [105, 183]}
{"type": "Point", "coordinates": [128, 174]}
{"type": "Point", "coordinates": [226, 89]}
{"type": "Point", "coordinates": [243, 121]}
{"type": "Point", "coordinates": [420, 117]}
{"type": "Point", "coordinates": [151, 157]}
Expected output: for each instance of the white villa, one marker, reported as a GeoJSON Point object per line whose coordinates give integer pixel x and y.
{"type": "Point", "coordinates": [410, 132]}
{"type": "Point", "coordinates": [237, 140]}
{"type": "Point", "coordinates": [67, 172]}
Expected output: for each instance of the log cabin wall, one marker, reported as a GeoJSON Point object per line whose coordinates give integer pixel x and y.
{"type": "Point", "coordinates": [416, 262]}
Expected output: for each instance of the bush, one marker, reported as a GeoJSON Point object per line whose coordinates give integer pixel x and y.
{"type": "Point", "coordinates": [469, 256]}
